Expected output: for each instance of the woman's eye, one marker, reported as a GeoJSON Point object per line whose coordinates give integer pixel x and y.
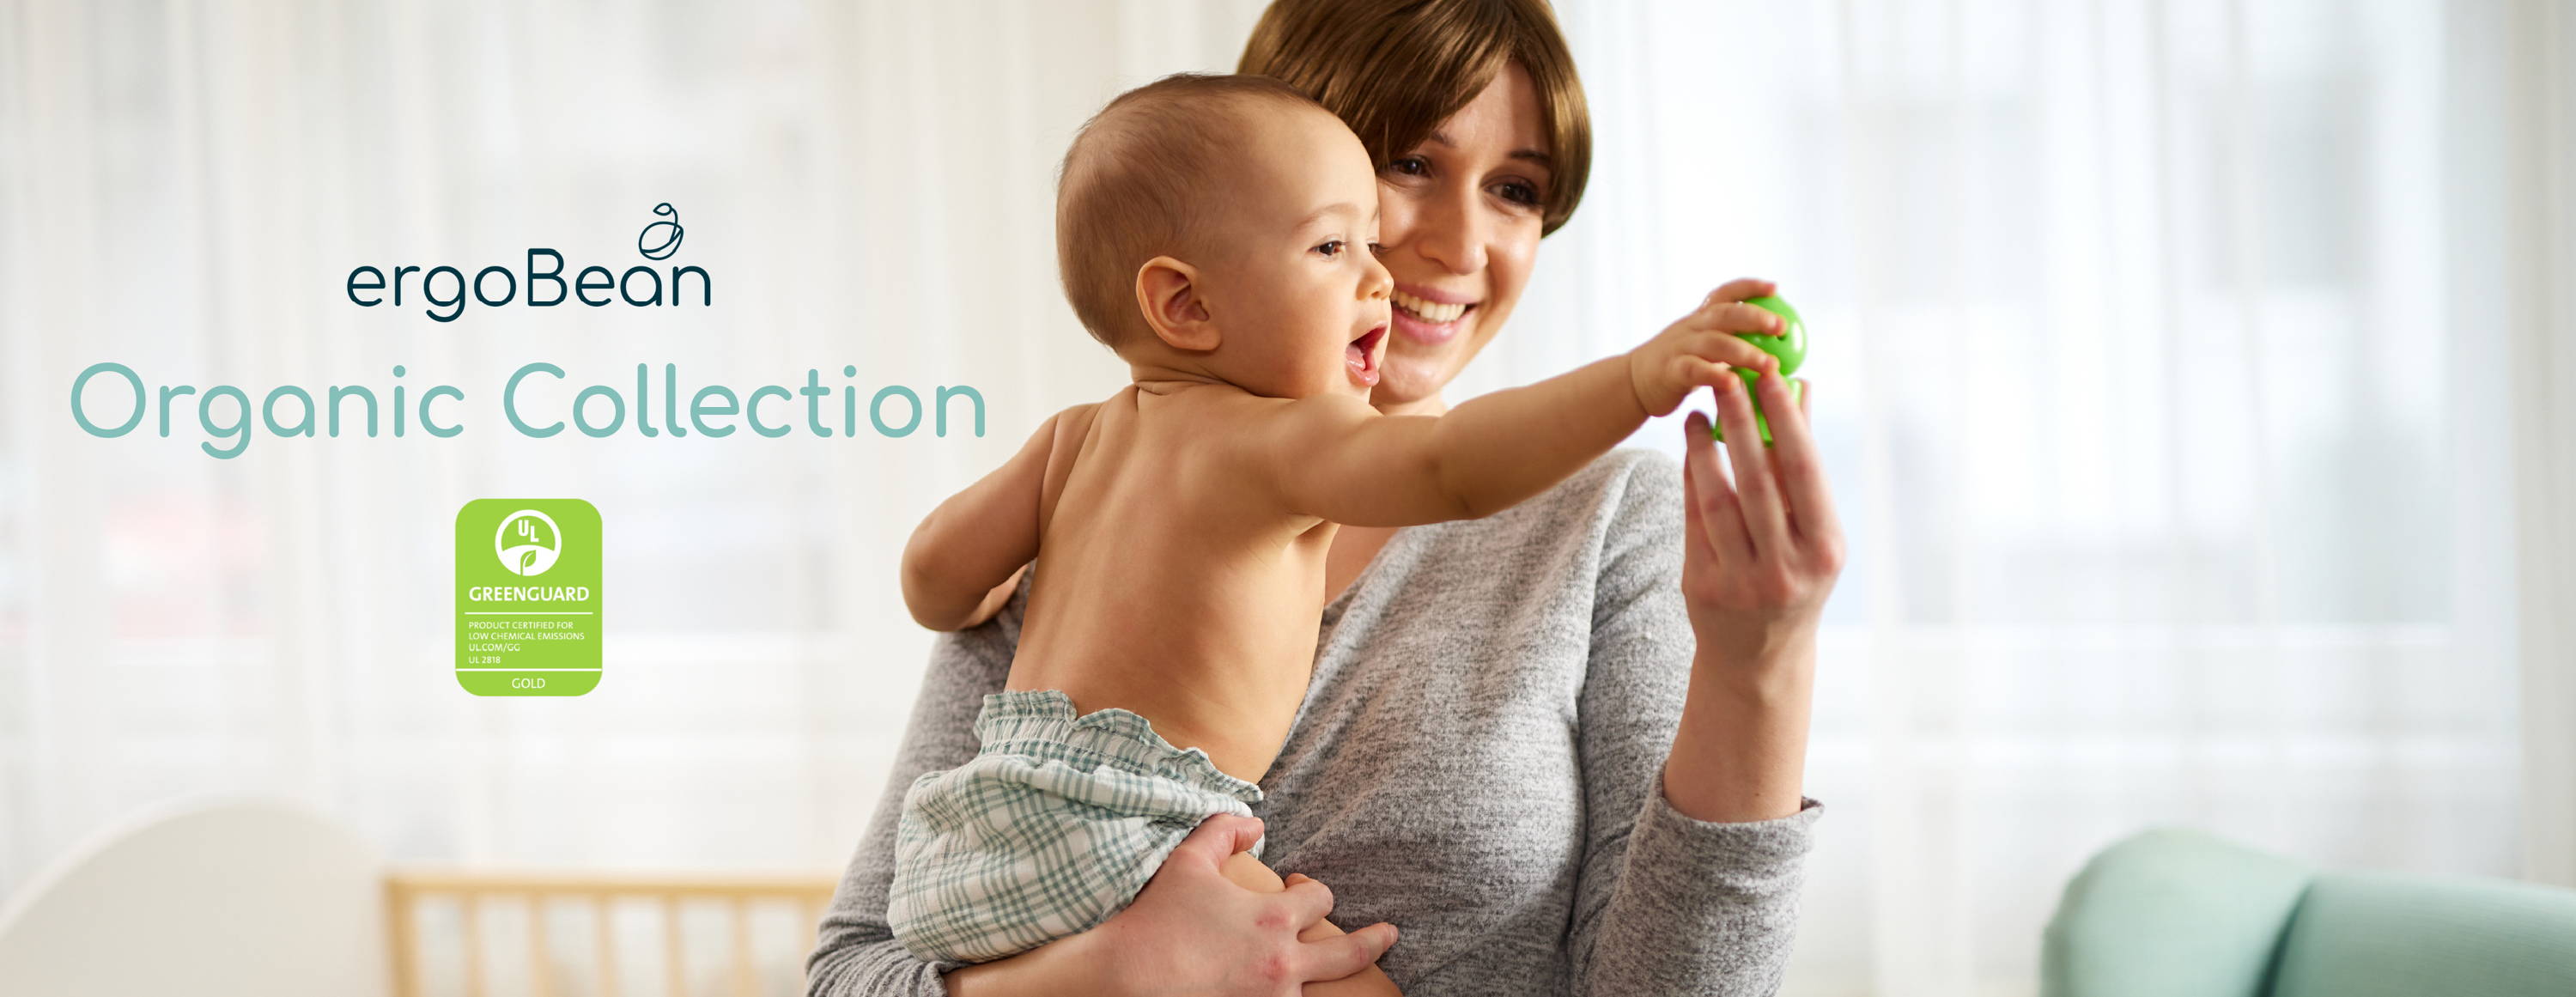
{"type": "Point", "coordinates": [1518, 193]}
{"type": "Point", "coordinates": [1411, 166]}
{"type": "Point", "coordinates": [1330, 248]}
{"type": "Point", "coordinates": [1376, 249]}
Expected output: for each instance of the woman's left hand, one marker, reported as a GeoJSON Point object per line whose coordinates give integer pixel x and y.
{"type": "Point", "coordinates": [1761, 553]}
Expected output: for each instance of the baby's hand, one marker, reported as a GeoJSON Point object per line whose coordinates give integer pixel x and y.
{"type": "Point", "coordinates": [1696, 351]}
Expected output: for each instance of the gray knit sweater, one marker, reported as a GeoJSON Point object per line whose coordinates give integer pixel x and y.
{"type": "Point", "coordinates": [1477, 761]}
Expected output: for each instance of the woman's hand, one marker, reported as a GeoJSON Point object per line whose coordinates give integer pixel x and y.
{"type": "Point", "coordinates": [1759, 555]}
{"type": "Point", "coordinates": [1193, 931]}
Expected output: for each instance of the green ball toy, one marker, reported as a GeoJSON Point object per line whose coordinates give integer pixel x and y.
{"type": "Point", "coordinates": [1790, 346]}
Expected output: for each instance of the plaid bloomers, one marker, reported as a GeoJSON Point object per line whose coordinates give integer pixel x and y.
{"type": "Point", "coordinates": [1053, 826]}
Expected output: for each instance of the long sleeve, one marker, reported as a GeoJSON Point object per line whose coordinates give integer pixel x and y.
{"type": "Point", "coordinates": [856, 954]}
{"type": "Point", "coordinates": [1665, 904]}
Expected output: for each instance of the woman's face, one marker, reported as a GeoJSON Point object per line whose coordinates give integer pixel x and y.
{"type": "Point", "coordinates": [1459, 232]}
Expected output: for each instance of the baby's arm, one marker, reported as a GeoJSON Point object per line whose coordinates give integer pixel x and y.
{"type": "Point", "coordinates": [966, 556]}
{"type": "Point", "coordinates": [1337, 458]}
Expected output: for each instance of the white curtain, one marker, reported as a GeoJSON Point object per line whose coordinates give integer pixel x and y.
{"type": "Point", "coordinates": [2523, 285]}
{"type": "Point", "coordinates": [2175, 363]}
{"type": "Point", "coordinates": [2165, 379]}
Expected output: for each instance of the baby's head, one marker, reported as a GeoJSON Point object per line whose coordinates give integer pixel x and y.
{"type": "Point", "coordinates": [1224, 225]}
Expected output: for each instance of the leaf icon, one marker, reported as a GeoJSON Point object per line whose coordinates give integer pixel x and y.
{"type": "Point", "coordinates": [526, 559]}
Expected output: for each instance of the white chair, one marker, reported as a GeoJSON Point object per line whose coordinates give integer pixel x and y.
{"type": "Point", "coordinates": [261, 898]}
{"type": "Point", "coordinates": [231, 898]}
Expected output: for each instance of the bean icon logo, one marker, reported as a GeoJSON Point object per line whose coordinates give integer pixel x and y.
{"type": "Point", "coordinates": [669, 239]}
{"type": "Point", "coordinates": [528, 542]}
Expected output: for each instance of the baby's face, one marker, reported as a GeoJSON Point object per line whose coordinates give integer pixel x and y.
{"type": "Point", "coordinates": [1295, 287]}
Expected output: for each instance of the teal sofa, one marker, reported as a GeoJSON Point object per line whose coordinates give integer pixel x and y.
{"type": "Point", "coordinates": [2173, 913]}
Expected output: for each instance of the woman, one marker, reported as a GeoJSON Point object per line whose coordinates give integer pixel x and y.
{"type": "Point", "coordinates": [1561, 746]}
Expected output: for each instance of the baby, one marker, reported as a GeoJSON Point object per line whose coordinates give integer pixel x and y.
{"type": "Point", "coordinates": [1217, 232]}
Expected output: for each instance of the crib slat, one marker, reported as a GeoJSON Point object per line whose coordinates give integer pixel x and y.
{"type": "Point", "coordinates": [473, 907]}
{"type": "Point", "coordinates": [744, 985]}
{"type": "Point", "coordinates": [539, 981]}
{"type": "Point", "coordinates": [398, 901]}
{"type": "Point", "coordinates": [671, 946]}
{"type": "Point", "coordinates": [808, 936]}
{"type": "Point", "coordinates": [607, 948]}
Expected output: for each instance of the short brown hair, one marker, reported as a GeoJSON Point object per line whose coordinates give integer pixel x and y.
{"type": "Point", "coordinates": [1134, 185]}
{"type": "Point", "coordinates": [1393, 70]}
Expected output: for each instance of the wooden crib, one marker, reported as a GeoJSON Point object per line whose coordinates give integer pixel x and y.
{"type": "Point", "coordinates": [541, 902]}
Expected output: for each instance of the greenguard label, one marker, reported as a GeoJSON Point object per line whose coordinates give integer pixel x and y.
{"type": "Point", "coordinates": [527, 597]}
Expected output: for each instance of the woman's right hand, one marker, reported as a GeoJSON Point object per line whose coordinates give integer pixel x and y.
{"type": "Point", "coordinates": [1192, 931]}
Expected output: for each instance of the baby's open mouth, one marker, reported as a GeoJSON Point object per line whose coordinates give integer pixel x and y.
{"type": "Point", "coordinates": [1362, 356]}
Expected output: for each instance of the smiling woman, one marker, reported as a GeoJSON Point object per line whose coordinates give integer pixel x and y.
{"type": "Point", "coordinates": [1483, 143]}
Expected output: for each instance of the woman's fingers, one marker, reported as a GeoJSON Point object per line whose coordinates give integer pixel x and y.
{"type": "Point", "coordinates": [1793, 457]}
{"type": "Point", "coordinates": [1217, 839]}
{"type": "Point", "coordinates": [1709, 504]}
{"type": "Point", "coordinates": [1329, 954]}
{"type": "Point", "coordinates": [1694, 525]}
{"type": "Point", "coordinates": [1765, 521]}
{"type": "Point", "coordinates": [1308, 901]}
{"type": "Point", "coordinates": [1342, 955]}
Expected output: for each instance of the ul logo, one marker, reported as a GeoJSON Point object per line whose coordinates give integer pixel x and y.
{"type": "Point", "coordinates": [528, 542]}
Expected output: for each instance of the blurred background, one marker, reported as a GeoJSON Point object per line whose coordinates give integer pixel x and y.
{"type": "Point", "coordinates": [2193, 375]}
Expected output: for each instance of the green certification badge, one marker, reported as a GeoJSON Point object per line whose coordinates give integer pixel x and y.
{"type": "Point", "coordinates": [527, 597]}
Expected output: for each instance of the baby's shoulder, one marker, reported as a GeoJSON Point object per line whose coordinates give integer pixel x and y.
{"type": "Point", "coordinates": [1218, 446]}
{"type": "Point", "coordinates": [1067, 430]}
{"type": "Point", "coordinates": [1211, 413]}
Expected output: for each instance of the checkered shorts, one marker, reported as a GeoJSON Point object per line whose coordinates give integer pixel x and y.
{"type": "Point", "coordinates": [1053, 826]}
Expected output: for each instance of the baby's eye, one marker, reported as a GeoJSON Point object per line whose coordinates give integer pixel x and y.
{"type": "Point", "coordinates": [1331, 248]}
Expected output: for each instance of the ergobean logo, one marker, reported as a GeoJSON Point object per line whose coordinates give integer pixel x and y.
{"type": "Point", "coordinates": [443, 291]}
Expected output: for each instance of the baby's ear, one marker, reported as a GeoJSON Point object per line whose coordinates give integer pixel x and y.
{"type": "Point", "coordinates": [1167, 289]}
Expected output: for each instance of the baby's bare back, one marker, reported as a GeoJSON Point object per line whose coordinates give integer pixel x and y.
{"type": "Point", "coordinates": [1169, 582]}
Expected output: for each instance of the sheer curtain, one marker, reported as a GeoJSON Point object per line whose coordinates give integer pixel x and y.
{"type": "Point", "coordinates": [2521, 283]}
{"type": "Point", "coordinates": [2169, 427]}
{"type": "Point", "coordinates": [2185, 370]}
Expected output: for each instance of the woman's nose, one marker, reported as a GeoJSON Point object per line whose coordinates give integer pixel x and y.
{"type": "Point", "coordinates": [1453, 233]}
